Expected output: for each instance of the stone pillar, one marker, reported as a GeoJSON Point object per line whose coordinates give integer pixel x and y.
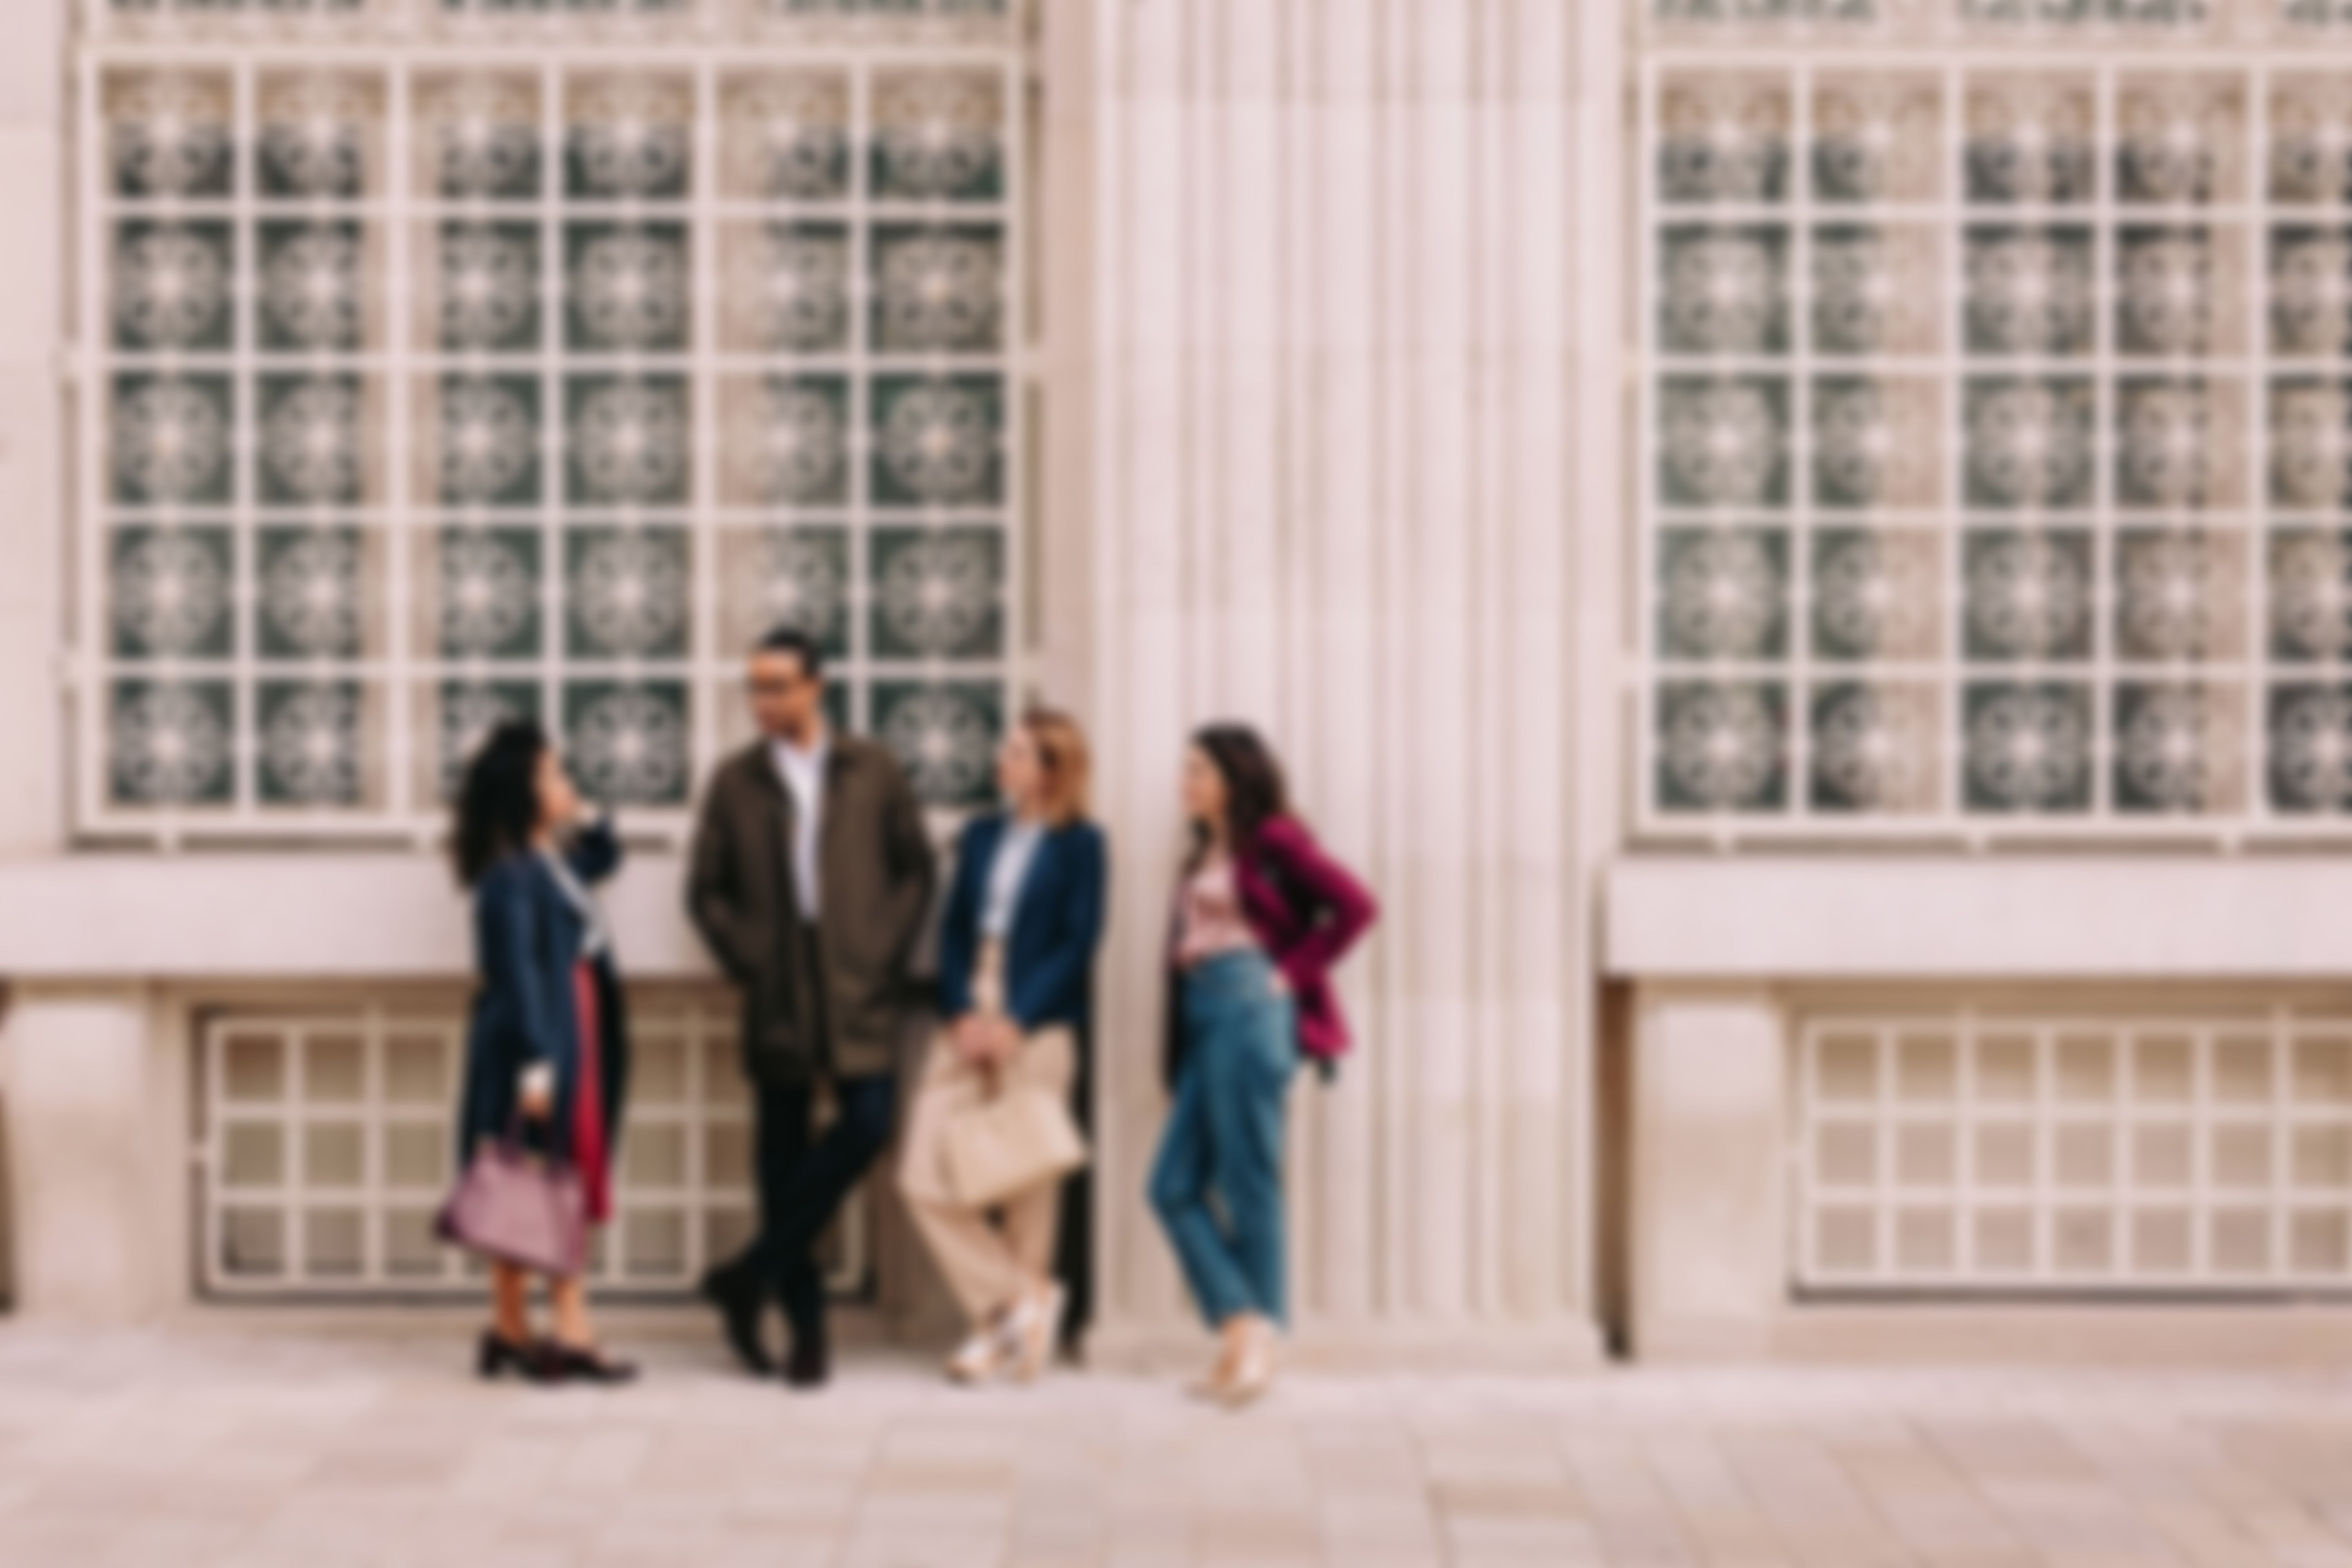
{"type": "Point", "coordinates": [1336, 371]}
{"type": "Point", "coordinates": [33, 310]}
{"type": "Point", "coordinates": [33, 534]}
{"type": "Point", "coordinates": [97, 1136]}
{"type": "Point", "coordinates": [1710, 1258]}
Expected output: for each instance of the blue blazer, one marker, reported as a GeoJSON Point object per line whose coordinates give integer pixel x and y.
{"type": "Point", "coordinates": [527, 940]}
{"type": "Point", "coordinates": [1057, 923]}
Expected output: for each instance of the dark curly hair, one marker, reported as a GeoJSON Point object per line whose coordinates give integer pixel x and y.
{"type": "Point", "coordinates": [1256, 793]}
{"type": "Point", "coordinates": [498, 805]}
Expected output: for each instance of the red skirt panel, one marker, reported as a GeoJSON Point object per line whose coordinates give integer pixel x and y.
{"type": "Point", "coordinates": [589, 1151]}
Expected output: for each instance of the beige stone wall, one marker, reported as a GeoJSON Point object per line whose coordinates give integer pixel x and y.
{"type": "Point", "coordinates": [33, 307]}
{"type": "Point", "coordinates": [1330, 385]}
{"type": "Point", "coordinates": [34, 300]}
{"type": "Point", "coordinates": [1332, 309]}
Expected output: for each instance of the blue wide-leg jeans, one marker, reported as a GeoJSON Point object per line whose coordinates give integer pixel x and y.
{"type": "Point", "coordinates": [1217, 1181]}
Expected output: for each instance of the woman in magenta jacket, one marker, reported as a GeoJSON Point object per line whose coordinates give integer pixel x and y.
{"type": "Point", "coordinates": [1260, 916]}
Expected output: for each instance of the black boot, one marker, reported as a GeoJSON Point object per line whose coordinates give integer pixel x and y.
{"type": "Point", "coordinates": [575, 1364]}
{"type": "Point", "coordinates": [739, 1297]}
{"type": "Point", "coordinates": [811, 1361]}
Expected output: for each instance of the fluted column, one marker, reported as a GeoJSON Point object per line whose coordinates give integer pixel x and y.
{"type": "Point", "coordinates": [33, 304]}
{"type": "Point", "coordinates": [1333, 407]}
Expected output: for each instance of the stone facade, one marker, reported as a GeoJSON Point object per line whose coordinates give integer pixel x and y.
{"type": "Point", "coordinates": [1795, 546]}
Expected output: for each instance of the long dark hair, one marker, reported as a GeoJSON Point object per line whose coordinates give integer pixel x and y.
{"type": "Point", "coordinates": [498, 805]}
{"type": "Point", "coordinates": [1255, 791]}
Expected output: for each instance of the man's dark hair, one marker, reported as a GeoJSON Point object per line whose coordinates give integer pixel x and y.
{"type": "Point", "coordinates": [800, 645]}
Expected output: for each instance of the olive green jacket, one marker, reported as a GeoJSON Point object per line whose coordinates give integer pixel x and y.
{"type": "Point", "coordinates": [874, 871]}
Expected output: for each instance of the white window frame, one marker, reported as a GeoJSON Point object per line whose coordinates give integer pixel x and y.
{"type": "Point", "coordinates": [1796, 54]}
{"type": "Point", "coordinates": [708, 41]}
{"type": "Point", "coordinates": [700, 1026]}
{"type": "Point", "coordinates": [2205, 1201]}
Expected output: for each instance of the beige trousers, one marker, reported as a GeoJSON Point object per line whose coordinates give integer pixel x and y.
{"type": "Point", "coordinates": [988, 1265]}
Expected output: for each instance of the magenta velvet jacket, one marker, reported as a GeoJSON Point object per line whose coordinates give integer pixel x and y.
{"type": "Point", "coordinates": [1307, 911]}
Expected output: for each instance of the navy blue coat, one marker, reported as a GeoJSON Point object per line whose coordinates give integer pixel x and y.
{"type": "Point", "coordinates": [1057, 923]}
{"type": "Point", "coordinates": [527, 940]}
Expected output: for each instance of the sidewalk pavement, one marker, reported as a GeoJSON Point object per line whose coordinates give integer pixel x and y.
{"type": "Point", "coordinates": [268, 1446]}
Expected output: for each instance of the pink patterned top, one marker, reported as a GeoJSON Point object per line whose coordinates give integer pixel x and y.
{"type": "Point", "coordinates": [1208, 918]}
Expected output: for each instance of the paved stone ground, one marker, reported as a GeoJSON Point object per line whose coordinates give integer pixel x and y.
{"type": "Point", "coordinates": [192, 1446]}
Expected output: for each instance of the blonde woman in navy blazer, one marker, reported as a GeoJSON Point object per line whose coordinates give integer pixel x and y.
{"type": "Point", "coordinates": [1017, 945]}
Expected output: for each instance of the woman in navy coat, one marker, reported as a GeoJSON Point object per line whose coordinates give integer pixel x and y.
{"type": "Point", "coordinates": [547, 1054]}
{"type": "Point", "coordinates": [1017, 943]}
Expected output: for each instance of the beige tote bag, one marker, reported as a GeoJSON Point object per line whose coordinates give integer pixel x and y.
{"type": "Point", "coordinates": [1001, 1147]}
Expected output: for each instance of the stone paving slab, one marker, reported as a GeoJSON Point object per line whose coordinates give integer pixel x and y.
{"type": "Point", "coordinates": [265, 1447]}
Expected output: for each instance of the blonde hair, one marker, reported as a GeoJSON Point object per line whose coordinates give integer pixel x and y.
{"type": "Point", "coordinates": [1063, 759]}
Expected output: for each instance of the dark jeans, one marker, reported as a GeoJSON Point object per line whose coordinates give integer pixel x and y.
{"type": "Point", "coordinates": [802, 1181]}
{"type": "Point", "coordinates": [1217, 1182]}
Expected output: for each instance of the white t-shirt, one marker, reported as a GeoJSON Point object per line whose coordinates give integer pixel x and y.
{"type": "Point", "coordinates": [803, 770]}
{"type": "Point", "coordinates": [1016, 849]}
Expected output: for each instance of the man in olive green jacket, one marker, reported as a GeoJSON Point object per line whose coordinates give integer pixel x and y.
{"type": "Point", "coordinates": [811, 879]}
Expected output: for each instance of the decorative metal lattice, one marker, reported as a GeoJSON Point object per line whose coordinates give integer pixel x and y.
{"type": "Point", "coordinates": [464, 383]}
{"type": "Point", "coordinates": [2129, 19]}
{"type": "Point", "coordinates": [414, 14]}
{"type": "Point", "coordinates": [1997, 442]}
{"type": "Point", "coordinates": [325, 1152]}
{"type": "Point", "coordinates": [1957, 1150]}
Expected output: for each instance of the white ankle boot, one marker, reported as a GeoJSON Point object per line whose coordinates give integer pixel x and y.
{"type": "Point", "coordinates": [985, 1353]}
{"type": "Point", "coordinates": [1036, 1327]}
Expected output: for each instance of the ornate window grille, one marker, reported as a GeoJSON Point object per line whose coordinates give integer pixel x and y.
{"type": "Point", "coordinates": [1960, 1150]}
{"type": "Point", "coordinates": [2140, 20]}
{"type": "Point", "coordinates": [324, 1153]}
{"type": "Point", "coordinates": [464, 358]}
{"type": "Point", "coordinates": [931, 20]}
{"type": "Point", "coordinates": [1996, 431]}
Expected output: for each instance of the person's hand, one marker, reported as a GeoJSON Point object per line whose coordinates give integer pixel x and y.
{"type": "Point", "coordinates": [1281, 985]}
{"type": "Point", "coordinates": [538, 1093]}
{"type": "Point", "coordinates": [1004, 1040]}
{"type": "Point", "coordinates": [969, 1035]}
